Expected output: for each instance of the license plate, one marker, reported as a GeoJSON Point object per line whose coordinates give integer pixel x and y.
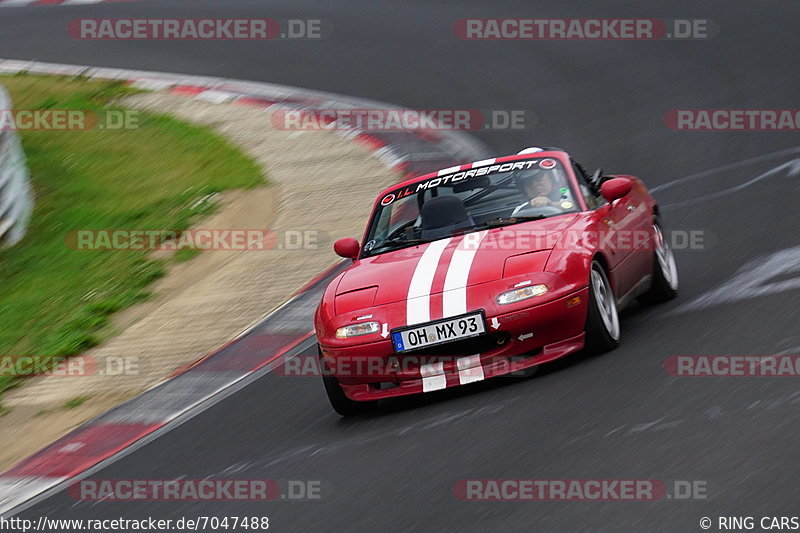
{"type": "Point", "coordinates": [439, 332]}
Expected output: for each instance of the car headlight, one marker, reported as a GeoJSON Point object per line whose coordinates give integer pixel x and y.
{"type": "Point", "coordinates": [355, 330]}
{"type": "Point", "coordinates": [517, 295]}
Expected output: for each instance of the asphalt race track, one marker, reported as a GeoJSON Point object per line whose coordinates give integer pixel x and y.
{"type": "Point", "coordinates": [615, 416]}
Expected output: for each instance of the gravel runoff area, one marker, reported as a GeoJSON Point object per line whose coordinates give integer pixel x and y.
{"type": "Point", "coordinates": [319, 182]}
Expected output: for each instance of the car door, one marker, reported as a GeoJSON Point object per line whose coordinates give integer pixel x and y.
{"type": "Point", "coordinates": [619, 227]}
{"type": "Point", "coordinates": [630, 222]}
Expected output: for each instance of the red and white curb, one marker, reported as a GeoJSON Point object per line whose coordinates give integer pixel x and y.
{"type": "Point", "coordinates": [252, 353]}
{"type": "Point", "coordinates": [409, 151]}
{"type": "Point", "coordinates": [282, 334]}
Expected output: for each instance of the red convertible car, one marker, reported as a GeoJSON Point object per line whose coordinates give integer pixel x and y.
{"type": "Point", "coordinates": [486, 269]}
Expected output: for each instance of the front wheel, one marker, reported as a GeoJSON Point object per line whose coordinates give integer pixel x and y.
{"type": "Point", "coordinates": [339, 401]}
{"type": "Point", "coordinates": [665, 272]}
{"type": "Point", "coordinates": [602, 319]}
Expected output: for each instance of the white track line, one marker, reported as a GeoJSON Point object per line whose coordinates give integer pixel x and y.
{"type": "Point", "coordinates": [792, 167]}
{"type": "Point", "coordinates": [729, 166]}
{"type": "Point", "coordinates": [200, 406]}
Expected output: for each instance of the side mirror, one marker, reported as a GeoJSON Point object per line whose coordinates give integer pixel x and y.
{"type": "Point", "coordinates": [615, 188]}
{"type": "Point", "coordinates": [347, 248]}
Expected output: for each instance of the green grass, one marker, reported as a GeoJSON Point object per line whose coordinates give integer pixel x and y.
{"type": "Point", "coordinates": [55, 301]}
{"type": "Point", "coordinates": [76, 402]}
{"type": "Point", "coordinates": [184, 254]}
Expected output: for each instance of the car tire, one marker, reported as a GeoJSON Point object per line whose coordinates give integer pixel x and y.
{"type": "Point", "coordinates": [664, 286]}
{"type": "Point", "coordinates": [602, 317]}
{"type": "Point", "coordinates": [339, 401]}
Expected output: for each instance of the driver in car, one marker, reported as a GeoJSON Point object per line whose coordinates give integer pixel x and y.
{"type": "Point", "coordinates": [543, 189]}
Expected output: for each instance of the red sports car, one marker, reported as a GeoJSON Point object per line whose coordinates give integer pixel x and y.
{"type": "Point", "coordinates": [486, 269]}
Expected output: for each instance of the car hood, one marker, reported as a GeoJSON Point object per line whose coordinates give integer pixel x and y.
{"type": "Point", "coordinates": [449, 264]}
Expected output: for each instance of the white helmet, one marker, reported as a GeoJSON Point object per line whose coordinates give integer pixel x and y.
{"type": "Point", "coordinates": [531, 150]}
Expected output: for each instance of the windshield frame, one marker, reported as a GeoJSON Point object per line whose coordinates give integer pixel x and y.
{"type": "Point", "coordinates": [435, 179]}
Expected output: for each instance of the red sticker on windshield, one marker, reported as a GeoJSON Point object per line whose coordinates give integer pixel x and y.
{"type": "Point", "coordinates": [389, 198]}
{"type": "Point", "coordinates": [547, 164]}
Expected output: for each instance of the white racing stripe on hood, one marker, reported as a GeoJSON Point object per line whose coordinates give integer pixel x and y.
{"type": "Point", "coordinates": [454, 299]}
{"type": "Point", "coordinates": [418, 302]}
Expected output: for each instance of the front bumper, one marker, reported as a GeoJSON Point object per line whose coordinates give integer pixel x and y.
{"type": "Point", "coordinates": [514, 341]}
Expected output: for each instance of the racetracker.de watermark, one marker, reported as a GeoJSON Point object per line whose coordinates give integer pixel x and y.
{"type": "Point", "coordinates": [732, 119]}
{"type": "Point", "coordinates": [67, 120]}
{"type": "Point", "coordinates": [726, 366]}
{"type": "Point", "coordinates": [378, 120]}
{"type": "Point", "coordinates": [612, 29]}
{"type": "Point", "coordinates": [20, 366]}
{"type": "Point", "coordinates": [193, 29]}
{"type": "Point", "coordinates": [373, 366]}
{"type": "Point", "coordinates": [194, 239]}
{"type": "Point", "coordinates": [579, 490]}
{"type": "Point", "coordinates": [194, 490]}
{"type": "Point", "coordinates": [522, 239]}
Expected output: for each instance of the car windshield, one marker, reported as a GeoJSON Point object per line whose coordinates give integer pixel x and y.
{"type": "Point", "coordinates": [470, 200]}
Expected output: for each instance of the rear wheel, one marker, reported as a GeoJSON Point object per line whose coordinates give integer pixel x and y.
{"type": "Point", "coordinates": [665, 272]}
{"type": "Point", "coordinates": [602, 319]}
{"type": "Point", "coordinates": [339, 401]}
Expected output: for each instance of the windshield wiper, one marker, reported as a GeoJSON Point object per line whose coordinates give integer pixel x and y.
{"type": "Point", "coordinates": [495, 223]}
{"type": "Point", "coordinates": [400, 241]}
{"type": "Point", "coordinates": [395, 243]}
{"type": "Point", "coordinates": [508, 221]}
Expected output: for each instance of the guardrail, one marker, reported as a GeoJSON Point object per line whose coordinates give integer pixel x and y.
{"type": "Point", "coordinates": [16, 199]}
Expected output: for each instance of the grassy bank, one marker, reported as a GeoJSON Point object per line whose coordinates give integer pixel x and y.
{"type": "Point", "coordinates": [55, 301]}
